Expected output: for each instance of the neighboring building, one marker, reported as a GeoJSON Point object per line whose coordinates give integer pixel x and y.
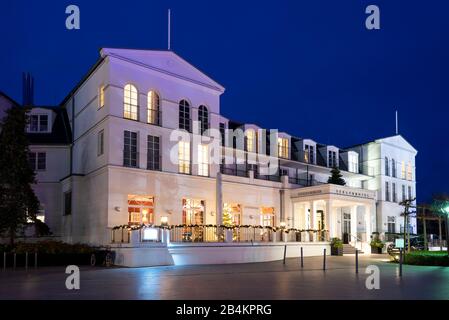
{"type": "Point", "coordinates": [107, 160]}
{"type": "Point", "coordinates": [5, 103]}
{"type": "Point", "coordinates": [392, 164]}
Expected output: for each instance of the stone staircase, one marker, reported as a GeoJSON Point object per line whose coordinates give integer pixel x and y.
{"type": "Point", "coordinates": [348, 249]}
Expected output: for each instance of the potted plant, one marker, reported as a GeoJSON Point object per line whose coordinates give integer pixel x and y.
{"type": "Point", "coordinates": [336, 247]}
{"type": "Point", "coordinates": [376, 245]}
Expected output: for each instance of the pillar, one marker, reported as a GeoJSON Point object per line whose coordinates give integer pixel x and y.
{"type": "Point", "coordinates": [353, 223]}
{"type": "Point", "coordinates": [219, 199]}
{"type": "Point", "coordinates": [330, 219]}
{"type": "Point", "coordinates": [369, 212]}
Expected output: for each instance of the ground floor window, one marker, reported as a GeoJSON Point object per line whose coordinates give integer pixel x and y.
{"type": "Point", "coordinates": [192, 211]}
{"type": "Point", "coordinates": [140, 209]}
{"type": "Point", "coordinates": [232, 214]}
{"type": "Point", "coordinates": [391, 222]}
{"type": "Point", "coordinates": [267, 216]}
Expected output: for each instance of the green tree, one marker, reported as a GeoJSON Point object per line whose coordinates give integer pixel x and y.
{"type": "Point", "coordinates": [227, 218]}
{"type": "Point", "coordinates": [18, 203]}
{"type": "Point", "coordinates": [336, 177]}
{"type": "Point", "coordinates": [440, 206]}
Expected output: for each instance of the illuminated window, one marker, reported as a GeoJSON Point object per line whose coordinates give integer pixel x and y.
{"type": "Point", "coordinates": [140, 209]}
{"type": "Point", "coordinates": [130, 102]}
{"type": "Point", "coordinates": [409, 171]}
{"type": "Point", "coordinates": [267, 216]}
{"type": "Point", "coordinates": [153, 108]}
{"type": "Point", "coordinates": [101, 97]}
{"type": "Point", "coordinates": [283, 148]}
{"type": "Point", "coordinates": [184, 115]}
{"type": "Point", "coordinates": [203, 118]}
{"type": "Point", "coordinates": [251, 140]}
{"type": "Point", "coordinates": [203, 160]}
{"type": "Point", "coordinates": [184, 157]}
{"type": "Point", "coordinates": [309, 154]}
{"type": "Point", "coordinates": [192, 211]}
{"type": "Point", "coordinates": [403, 169]}
{"type": "Point", "coordinates": [232, 212]}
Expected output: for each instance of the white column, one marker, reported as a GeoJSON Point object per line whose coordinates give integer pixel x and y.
{"type": "Point", "coordinates": [370, 210]}
{"type": "Point", "coordinates": [330, 219]}
{"type": "Point", "coordinates": [312, 207]}
{"type": "Point", "coordinates": [219, 199]}
{"type": "Point", "coordinates": [353, 223]}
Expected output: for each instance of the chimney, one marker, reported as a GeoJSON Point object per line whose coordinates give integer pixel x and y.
{"type": "Point", "coordinates": [27, 89]}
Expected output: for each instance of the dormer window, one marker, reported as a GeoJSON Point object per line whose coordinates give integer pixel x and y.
{"type": "Point", "coordinates": [38, 123]}
{"type": "Point", "coordinates": [309, 154]}
{"type": "Point", "coordinates": [332, 159]}
{"type": "Point", "coordinates": [283, 150]}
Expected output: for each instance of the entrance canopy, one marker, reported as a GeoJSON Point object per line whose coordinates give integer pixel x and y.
{"type": "Point", "coordinates": [347, 213]}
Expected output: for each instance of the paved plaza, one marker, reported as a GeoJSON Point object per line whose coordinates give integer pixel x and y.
{"type": "Point", "coordinates": [271, 280]}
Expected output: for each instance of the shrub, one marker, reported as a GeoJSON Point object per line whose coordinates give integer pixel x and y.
{"type": "Point", "coordinates": [376, 243]}
{"type": "Point", "coordinates": [52, 247]}
{"type": "Point", "coordinates": [427, 258]}
{"type": "Point", "coordinates": [336, 243]}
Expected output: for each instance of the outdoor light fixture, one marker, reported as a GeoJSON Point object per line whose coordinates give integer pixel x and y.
{"type": "Point", "coordinates": [164, 221]}
{"type": "Point", "coordinates": [283, 224]}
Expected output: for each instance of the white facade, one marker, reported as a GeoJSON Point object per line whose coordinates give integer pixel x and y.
{"type": "Point", "coordinates": [88, 186]}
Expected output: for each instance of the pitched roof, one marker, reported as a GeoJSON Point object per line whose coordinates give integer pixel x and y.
{"type": "Point", "coordinates": [164, 61]}
{"type": "Point", "coordinates": [60, 133]}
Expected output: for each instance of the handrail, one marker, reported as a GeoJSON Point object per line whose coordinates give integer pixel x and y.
{"type": "Point", "coordinates": [356, 239]}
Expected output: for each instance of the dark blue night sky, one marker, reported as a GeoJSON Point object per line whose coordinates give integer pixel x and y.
{"type": "Point", "coordinates": [309, 68]}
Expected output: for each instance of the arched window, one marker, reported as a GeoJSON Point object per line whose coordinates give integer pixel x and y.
{"type": "Point", "coordinates": [203, 118]}
{"type": "Point", "coordinates": [387, 167]}
{"type": "Point", "coordinates": [130, 102]}
{"type": "Point", "coordinates": [153, 114]}
{"type": "Point", "coordinates": [393, 168]}
{"type": "Point", "coordinates": [184, 115]}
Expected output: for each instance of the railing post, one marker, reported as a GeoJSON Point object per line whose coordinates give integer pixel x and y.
{"type": "Point", "coordinates": [302, 258]}
{"type": "Point", "coordinates": [400, 262]}
{"type": "Point", "coordinates": [356, 261]}
{"type": "Point", "coordinates": [324, 260]}
{"type": "Point", "coordinates": [285, 252]}
{"type": "Point", "coordinates": [35, 259]}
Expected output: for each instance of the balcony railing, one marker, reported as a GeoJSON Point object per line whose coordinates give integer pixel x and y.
{"type": "Point", "coordinates": [233, 171]}
{"type": "Point", "coordinates": [212, 233]}
{"type": "Point", "coordinates": [305, 182]}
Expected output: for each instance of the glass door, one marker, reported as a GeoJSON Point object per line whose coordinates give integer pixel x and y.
{"type": "Point", "coordinates": [346, 227]}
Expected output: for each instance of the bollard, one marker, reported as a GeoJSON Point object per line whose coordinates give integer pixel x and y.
{"type": "Point", "coordinates": [302, 258]}
{"type": "Point", "coordinates": [26, 260]}
{"type": "Point", "coordinates": [35, 260]}
{"type": "Point", "coordinates": [400, 262]}
{"type": "Point", "coordinates": [356, 261]}
{"type": "Point", "coordinates": [285, 252]}
{"type": "Point", "coordinates": [324, 259]}
{"type": "Point", "coordinates": [15, 259]}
